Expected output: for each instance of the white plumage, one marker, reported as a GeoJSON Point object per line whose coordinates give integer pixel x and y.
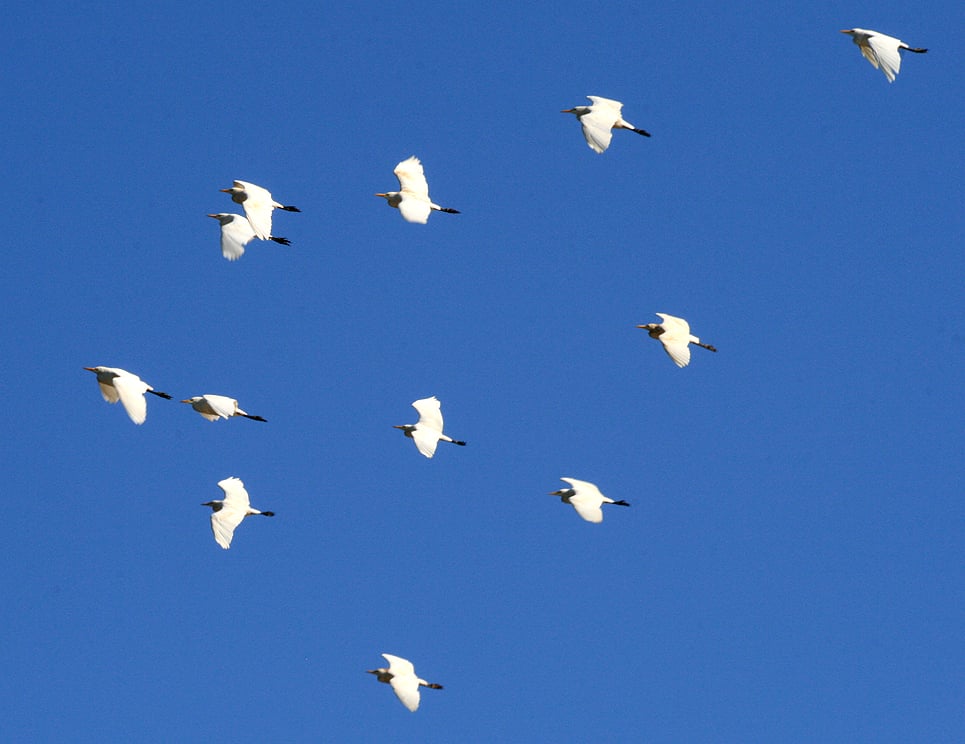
{"type": "Point", "coordinates": [412, 199]}
{"type": "Point", "coordinates": [258, 205]}
{"type": "Point", "coordinates": [600, 119]}
{"type": "Point", "coordinates": [881, 50]}
{"type": "Point", "coordinates": [402, 677]}
{"type": "Point", "coordinates": [674, 333]}
{"type": "Point", "coordinates": [213, 407]}
{"type": "Point", "coordinates": [229, 512]}
{"type": "Point", "coordinates": [427, 432]}
{"type": "Point", "coordinates": [117, 384]}
{"type": "Point", "coordinates": [586, 498]}
{"type": "Point", "coordinates": [236, 233]}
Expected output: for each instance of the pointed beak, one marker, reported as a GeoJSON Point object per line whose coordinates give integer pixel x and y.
{"type": "Point", "coordinates": [90, 369]}
{"type": "Point", "coordinates": [187, 401]}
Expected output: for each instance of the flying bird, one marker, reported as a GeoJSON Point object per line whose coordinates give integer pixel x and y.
{"type": "Point", "coordinates": [427, 432]}
{"type": "Point", "coordinates": [120, 385]}
{"type": "Point", "coordinates": [882, 51]}
{"type": "Point", "coordinates": [213, 407]}
{"type": "Point", "coordinates": [228, 513]}
{"type": "Point", "coordinates": [599, 121]}
{"type": "Point", "coordinates": [586, 498]}
{"type": "Point", "coordinates": [674, 334]}
{"type": "Point", "coordinates": [412, 200]}
{"type": "Point", "coordinates": [258, 205]}
{"type": "Point", "coordinates": [236, 233]}
{"type": "Point", "coordinates": [401, 675]}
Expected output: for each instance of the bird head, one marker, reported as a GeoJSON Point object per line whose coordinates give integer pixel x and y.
{"type": "Point", "coordinates": [654, 329]}
{"type": "Point", "coordinates": [195, 399]}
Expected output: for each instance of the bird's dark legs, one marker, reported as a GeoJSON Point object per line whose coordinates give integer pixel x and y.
{"type": "Point", "coordinates": [159, 394]}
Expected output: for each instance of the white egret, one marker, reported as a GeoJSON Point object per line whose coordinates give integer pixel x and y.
{"type": "Point", "coordinates": [586, 498]}
{"type": "Point", "coordinates": [258, 205]}
{"type": "Point", "coordinates": [599, 121]}
{"type": "Point", "coordinates": [401, 675]}
{"type": "Point", "coordinates": [213, 407]}
{"type": "Point", "coordinates": [120, 385]}
{"type": "Point", "coordinates": [427, 432]}
{"type": "Point", "coordinates": [236, 233]}
{"type": "Point", "coordinates": [413, 199]}
{"type": "Point", "coordinates": [228, 513]}
{"type": "Point", "coordinates": [881, 50]}
{"type": "Point", "coordinates": [674, 334]}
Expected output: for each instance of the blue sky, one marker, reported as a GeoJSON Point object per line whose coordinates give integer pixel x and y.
{"type": "Point", "coordinates": [791, 566]}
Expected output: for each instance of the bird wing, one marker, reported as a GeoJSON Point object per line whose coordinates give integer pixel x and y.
{"type": "Point", "coordinates": [884, 54]}
{"type": "Point", "coordinates": [398, 665]}
{"type": "Point", "coordinates": [224, 521]}
{"type": "Point", "coordinates": [598, 128]}
{"type": "Point", "coordinates": [677, 349]}
{"type": "Point", "coordinates": [234, 493]}
{"type": "Point", "coordinates": [430, 412]}
{"type": "Point", "coordinates": [406, 688]}
{"type": "Point", "coordinates": [587, 508]}
{"type": "Point", "coordinates": [426, 440]}
{"type": "Point", "coordinates": [235, 235]}
{"type": "Point", "coordinates": [412, 177]}
{"type": "Point", "coordinates": [130, 389]}
{"type": "Point", "coordinates": [414, 210]}
{"type": "Point", "coordinates": [107, 391]}
{"type": "Point", "coordinates": [258, 206]}
{"type": "Point", "coordinates": [222, 405]}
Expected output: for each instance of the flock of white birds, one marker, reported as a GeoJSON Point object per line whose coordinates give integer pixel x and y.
{"type": "Point", "coordinates": [598, 121]}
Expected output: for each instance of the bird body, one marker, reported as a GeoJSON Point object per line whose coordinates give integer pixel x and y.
{"type": "Point", "coordinates": [229, 512]}
{"type": "Point", "coordinates": [881, 50]}
{"type": "Point", "coordinates": [117, 384]}
{"type": "Point", "coordinates": [412, 200]}
{"type": "Point", "coordinates": [213, 407]}
{"type": "Point", "coordinates": [258, 205]}
{"type": "Point", "coordinates": [586, 498]}
{"type": "Point", "coordinates": [401, 676]}
{"type": "Point", "coordinates": [600, 119]}
{"type": "Point", "coordinates": [674, 333]}
{"type": "Point", "coordinates": [427, 432]}
{"type": "Point", "coordinates": [236, 233]}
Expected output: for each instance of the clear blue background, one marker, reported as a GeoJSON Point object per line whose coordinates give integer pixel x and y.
{"type": "Point", "coordinates": [791, 566]}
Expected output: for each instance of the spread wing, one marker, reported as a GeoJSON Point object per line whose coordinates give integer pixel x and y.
{"type": "Point", "coordinates": [407, 690]}
{"type": "Point", "coordinates": [412, 177]}
{"type": "Point", "coordinates": [677, 349]}
{"type": "Point", "coordinates": [108, 392]}
{"type": "Point", "coordinates": [589, 509]}
{"type": "Point", "coordinates": [221, 405]}
{"type": "Point", "coordinates": [414, 210]}
{"type": "Point", "coordinates": [235, 235]}
{"type": "Point", "coordinates": [223, 524]}
{"type": "Point", "coordinates": [884, 54]}
{"type": "Point", "coordinates": [426, 440]}
{"type": "Point", "coordinates": [430, 412]}
{"type": "Point", "coordinates": [258, 207]}
{"type": "Point", "coordinates": [598, 122]}
{"type": "Point", "coordinates": [130, 389]}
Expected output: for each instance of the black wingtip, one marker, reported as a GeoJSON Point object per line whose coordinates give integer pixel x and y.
{"type": "Point", "coordinates": [281, 241]}
{"type": "Point", "coordinates": [291, 209]}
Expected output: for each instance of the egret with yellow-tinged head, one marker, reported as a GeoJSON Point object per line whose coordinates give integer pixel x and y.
{"type": "Point", "coordinates": [117, 384]}
{"type": "Point", "coordinates": [258, 206]}
{"type": "Point", "coordinates": [586, 498]}
{"type": "Point", "coordinates": [674, 333]}
{"type": "Point", "coordinates": [228, 513]}
{"type": "Point", "coordinates": [412, 199]}
{"type": "Point", "coordinates": [599, 121]}
{"type": "Point", "coordinates": [881, 50]}
{"type": "Point", "coordinates": [427, 432]}
{"type": "Point", "coordinates": [405, 684]}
